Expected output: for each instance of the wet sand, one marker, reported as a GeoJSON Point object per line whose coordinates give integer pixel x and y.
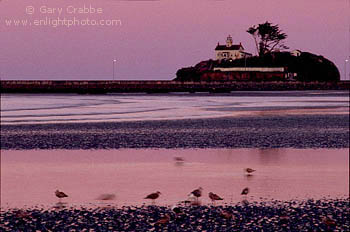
{"type": "Point", "coordinates": [72, 108]}
{"type": "Point", "coordinates": [31, 177]}
{"type": "Point", "coordinates": [267, 131]}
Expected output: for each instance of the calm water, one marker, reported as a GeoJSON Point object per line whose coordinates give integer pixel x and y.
{"type": "Point", "coordinates": [49, 108]}
{"type": "Point", "coordinates": [31, 177]}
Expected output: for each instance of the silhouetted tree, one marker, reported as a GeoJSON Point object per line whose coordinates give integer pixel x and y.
{"type": "Point", "coordinates": [267, 37]}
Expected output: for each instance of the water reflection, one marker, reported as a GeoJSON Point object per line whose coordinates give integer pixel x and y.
{"type": "Point", "coordinates": [179, 161]}
{"type": "Point", "coordinates": [270, 156]}
{"type": "Point", "coordinates": [226, 154]}
{"type": "Point", "coordinates": [60, 205]}
{"type": "Point", "coordinates": [106, 197]}
{"type": "Point", "coordinates": [249, 177]}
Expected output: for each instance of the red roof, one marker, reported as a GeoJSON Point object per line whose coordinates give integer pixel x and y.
{"type": "Point", "coordinates": [233, 47]}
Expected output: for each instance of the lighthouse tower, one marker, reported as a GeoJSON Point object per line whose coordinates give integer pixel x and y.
{"type": "Point", "coordinates": [229, 41]}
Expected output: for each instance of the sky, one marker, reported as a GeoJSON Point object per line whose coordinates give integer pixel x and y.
{"type": "Point", "coordinates": [152, 39]}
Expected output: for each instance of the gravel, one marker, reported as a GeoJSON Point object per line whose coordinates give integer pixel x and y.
{"type": "Point", "coordinates": [292, 131]}
{"type": "Point", "coordinates": [307, 215]}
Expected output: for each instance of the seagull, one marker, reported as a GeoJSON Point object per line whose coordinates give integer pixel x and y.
{"type": "Point", "coordinates": [197, 192]}
{"type": "Point", "coordinates": [60, 195]}
{"type": "Point", "coordinates": [249, 171]}
{"type": "Point", "coordinates": [194, 195]}
{"type": "Point", "coordinates": [153, 196]}
{"type": "Point", "coordinates": [214, 197]}
{"type": "Point", "coordinates": [245, 191]}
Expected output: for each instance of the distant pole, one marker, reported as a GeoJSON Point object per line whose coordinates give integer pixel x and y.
{"type": "Point", "coordinates": [345, 65]}
{"type": "Point", "coordinates": [114, 62]}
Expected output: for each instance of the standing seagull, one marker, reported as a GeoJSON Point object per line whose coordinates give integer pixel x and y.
{"type": "Point", "coordinates": [249, 171]}
{"type": "Point", "coordinates": [60, 195]}
{"type": "Point", "coordinates": [214, 197]}
{"type": "Point", "coordinates": [245, 191]}
{"type": "Point", "coordinates": [153, 196]}
{"type": "Point", "coordinates": [197, 192]}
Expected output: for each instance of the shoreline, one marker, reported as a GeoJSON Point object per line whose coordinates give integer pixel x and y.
{"type": "Point", "coordinates": [113, 204]}
{"type": "Point", "coordinates": [266, 131]}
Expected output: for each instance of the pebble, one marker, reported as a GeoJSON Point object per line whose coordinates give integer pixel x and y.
{"type": "Point", "coordinates": [309, 215]}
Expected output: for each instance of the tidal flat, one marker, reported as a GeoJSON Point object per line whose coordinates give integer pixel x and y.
{"type": "Point", "coordinates": [265, 131]}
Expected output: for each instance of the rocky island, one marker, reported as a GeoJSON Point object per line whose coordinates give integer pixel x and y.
{"type": "Point", "coordinates": [276, 66]}
{"type": "Point", "coordinates": [233, 63]}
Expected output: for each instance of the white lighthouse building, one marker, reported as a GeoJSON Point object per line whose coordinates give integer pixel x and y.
{"type": "Point", "coordinates": [230, 51]}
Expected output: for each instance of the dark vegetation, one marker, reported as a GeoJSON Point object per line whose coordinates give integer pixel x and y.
{"type": "Point", "coordinates": [267, 38]}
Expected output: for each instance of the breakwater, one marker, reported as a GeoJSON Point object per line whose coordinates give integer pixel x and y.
{"type": "Point", "coordinates": [12, 86]}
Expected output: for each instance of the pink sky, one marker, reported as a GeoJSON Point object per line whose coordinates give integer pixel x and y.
{"type": "Point", "coordinates": [158, 37]}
